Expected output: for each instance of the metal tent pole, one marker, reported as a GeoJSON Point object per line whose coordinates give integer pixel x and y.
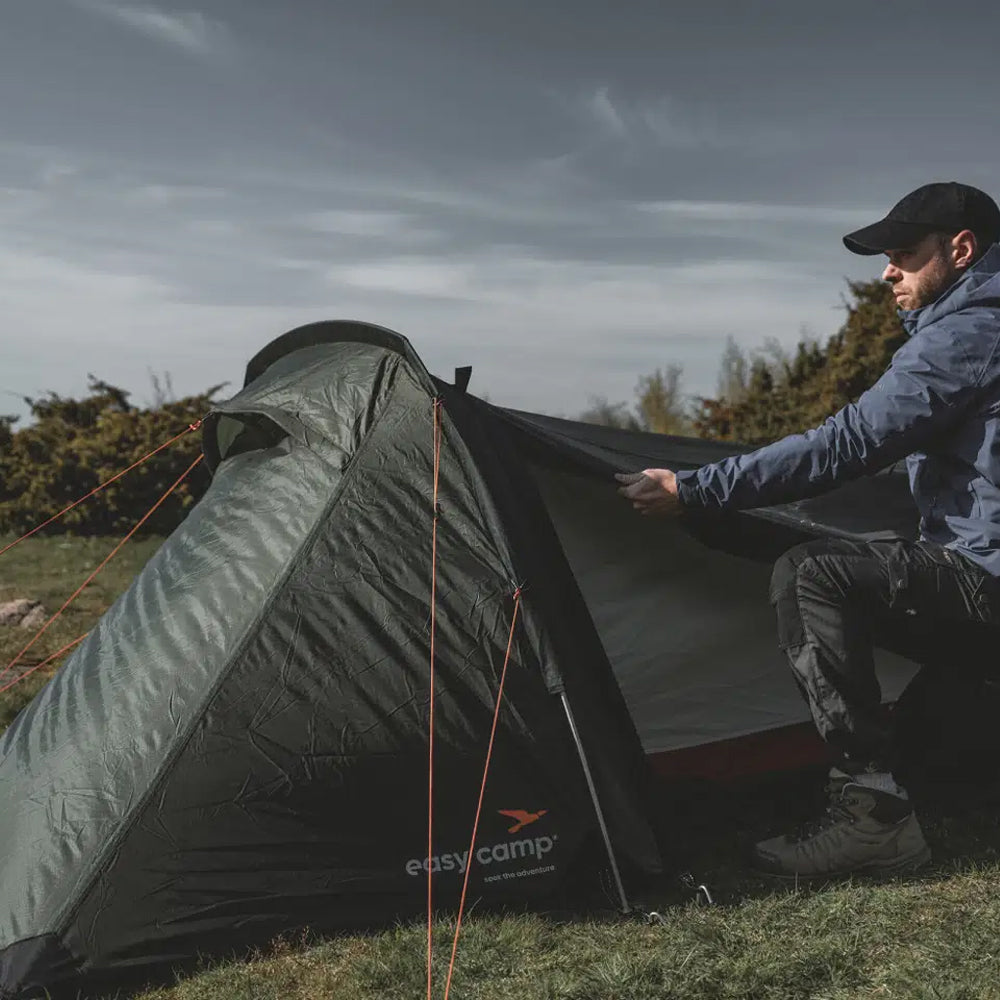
{"type": "Point", "coordinates": [597, 805]}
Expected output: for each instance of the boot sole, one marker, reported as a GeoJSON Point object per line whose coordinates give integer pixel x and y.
{"type": "Point", "coordinates": [873, 870]}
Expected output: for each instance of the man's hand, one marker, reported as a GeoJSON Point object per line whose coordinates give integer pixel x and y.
{"type": "Point", "coordinates": [652, 491]}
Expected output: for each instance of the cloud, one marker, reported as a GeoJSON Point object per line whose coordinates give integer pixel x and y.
{"type": "Point", "coordinates": [55, 172]}
{"type": "Point", "coordinates": [18, 204]}
{"type": "Point", "coordinates": [371, 224]}
{"type": "Point", "coordinates": [548, 334]}
{"type": "Point", "coordinates": [567, 296]}
{"type": "Point", "coordinates": [671, 127]}
{"type": "Point", "coordinates": [606, 114]}
{"type": "Point", "coordinates": [415, 276]}
{"type": "Point", "coordinates": [496, 196]}
{"type": "Point", "coordinates": [648, 124]}
{"type": "Point", "coordinates": [189, 31]}
{"type": "Point", "coordinates": [740, 212]}
{"type": "Point", "coordinates": [661, 122]}
{"type": "Point", "coordinates": [172, 194]}
{"type": "Point", "coordinates": [214, 228]}
{"type": "Point", "coordinates": [553, 297]}
{"type": "Point", "coordinates": [73, 318]}
{"type": "Point", "coordinates": [542, 334]}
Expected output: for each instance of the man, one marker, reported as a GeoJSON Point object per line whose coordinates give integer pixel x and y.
{"type": "Point", "coordinates": [938, 404]}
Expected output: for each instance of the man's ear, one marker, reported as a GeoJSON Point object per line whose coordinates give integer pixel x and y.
{"type": "Point", "coordinates": [963, 248]}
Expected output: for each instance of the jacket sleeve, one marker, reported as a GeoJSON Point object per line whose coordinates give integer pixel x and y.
{"type": "Point", "coordinates": [930, 383]}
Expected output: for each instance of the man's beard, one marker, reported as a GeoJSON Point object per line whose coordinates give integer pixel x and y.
{"type": "Point", "coordinates": [935, 283]}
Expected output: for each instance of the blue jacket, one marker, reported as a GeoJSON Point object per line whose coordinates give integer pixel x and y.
{"type": "Point", "coordinates": [937, 403]}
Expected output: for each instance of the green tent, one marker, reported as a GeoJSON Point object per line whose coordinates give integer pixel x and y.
{"type": "Point", "coordinates": [240, 747]}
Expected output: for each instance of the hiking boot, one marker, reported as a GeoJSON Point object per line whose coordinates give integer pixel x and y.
{"type": "Point", "coordinates": [863, 830]}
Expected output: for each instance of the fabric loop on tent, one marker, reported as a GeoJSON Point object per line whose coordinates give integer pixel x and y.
{"type": "Point", "coordinates": [97, 489]}
{"type": "Point", "coordinates": [482, 790]}
{"type": "Point", "coordinates": [437, 405]}
{"type": "Point", "coordinates": [13, 663]}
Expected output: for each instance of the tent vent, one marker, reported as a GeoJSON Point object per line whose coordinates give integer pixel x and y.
{"type": "Point", "coordinates": [462, 377]}
{"type": "Point", "coordinates": [242, 432]}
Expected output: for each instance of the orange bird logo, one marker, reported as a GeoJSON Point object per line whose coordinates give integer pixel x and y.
{"type": "Point", "coordinates": [523, 818]}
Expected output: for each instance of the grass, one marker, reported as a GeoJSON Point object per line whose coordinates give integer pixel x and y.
{"type": "Point", "coordinates": [936, 936]}
{"type": "Point", "coordinates": [49, 570]}
{"type": "Point", "coordinates": [933, 938]}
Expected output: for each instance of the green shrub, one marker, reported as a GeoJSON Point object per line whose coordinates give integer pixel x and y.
{"type": "Point", "coordinates": [76, 444]}
{"type": "Point", "coordinates": [766, 398]}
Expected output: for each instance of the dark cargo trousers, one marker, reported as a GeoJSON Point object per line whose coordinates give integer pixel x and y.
{"type": "Point", "coordinates": [836, 599]}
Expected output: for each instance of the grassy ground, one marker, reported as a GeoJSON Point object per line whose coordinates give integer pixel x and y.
{"type": "Point", "coordinates": [936, 936]}
{"type": "Point", "coordinates": [930, 939]}
{"type": "Point", "coordinates": [49, 570]}
{"type": "Point", "coordinates": [933, 936]}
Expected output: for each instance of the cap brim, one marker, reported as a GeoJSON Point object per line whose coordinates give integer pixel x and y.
{"type": "Point", "coordinates": [886, 235]}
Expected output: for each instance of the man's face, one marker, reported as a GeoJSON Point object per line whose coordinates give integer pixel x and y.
{"type": "Point", "coordinates": [921, 273]}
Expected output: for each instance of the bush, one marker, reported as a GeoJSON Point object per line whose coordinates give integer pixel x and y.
{"type": "Point", "coordinates": [75, 445]}
{"type": "Point", "coordinates": [769, 397]}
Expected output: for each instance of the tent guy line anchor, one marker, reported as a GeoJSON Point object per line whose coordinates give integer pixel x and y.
{"type": "Point", "coordinates": [700, 889]}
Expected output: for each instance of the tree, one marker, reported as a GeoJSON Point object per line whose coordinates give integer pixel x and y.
{"type": "Point", "coordinates": [7, 421]}
{"type": "Point", "coordinates": [734, 373]}
{"type": "Point", "coordinates": [660, 406]}
{"type": "Point", "coordinates": [608, 414]}
{"type": "Point", "coordinates": [163, 391]}
{"type": "Point", "coordinates": [790, 392]}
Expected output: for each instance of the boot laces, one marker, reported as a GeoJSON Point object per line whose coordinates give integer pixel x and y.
{"type": "Point", "coordinates": [837, 811]}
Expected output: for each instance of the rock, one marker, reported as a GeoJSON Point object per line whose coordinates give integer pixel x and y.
{"type": "Point", "coordinates": [35, 618]}
{"type": "Point", "coordinates": [15, 612]}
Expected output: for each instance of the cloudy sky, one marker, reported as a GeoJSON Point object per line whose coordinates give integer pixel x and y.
{"type": "Point", "coordinates": [563, 195]}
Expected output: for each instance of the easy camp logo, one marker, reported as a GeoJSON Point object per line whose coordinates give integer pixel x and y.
{"type": "Point", "coordinates": [504, 854]}
{"type": "Point", "coordinates": [523, 818]}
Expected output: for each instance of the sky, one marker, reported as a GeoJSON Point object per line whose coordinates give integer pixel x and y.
{"type": "Point", "coordinates": [565, 196]}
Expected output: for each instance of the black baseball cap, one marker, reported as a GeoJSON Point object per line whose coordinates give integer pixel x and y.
{"type": "Point", "coordinates": [942, 207]}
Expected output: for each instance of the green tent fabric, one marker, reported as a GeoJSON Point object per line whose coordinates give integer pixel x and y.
{"type": "Point", "coordinates": [239, 747]}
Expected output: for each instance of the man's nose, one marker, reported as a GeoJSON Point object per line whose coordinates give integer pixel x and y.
{"type": "Point", "coordinates": [891, 273]}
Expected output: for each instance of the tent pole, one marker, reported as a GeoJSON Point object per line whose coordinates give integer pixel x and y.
{"type": "Point", "coordinates": [597, 805]}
